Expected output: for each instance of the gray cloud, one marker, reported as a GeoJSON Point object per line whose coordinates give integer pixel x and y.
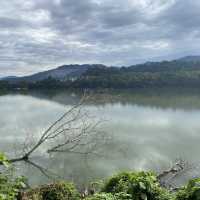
{"type": "Point", "coordinates": [39, 34]}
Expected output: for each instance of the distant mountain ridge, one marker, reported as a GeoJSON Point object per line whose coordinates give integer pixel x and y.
{"type": "Point", "coordinates": [190, 59]}
{"type": "Point", "coordinates": [61, 73]}
{"type": "Point", "coordinates": [8, 77]}
{"type": "Point", "coordinates": [69, 72]}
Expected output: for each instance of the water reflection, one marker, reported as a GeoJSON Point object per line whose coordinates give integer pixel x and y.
{"type": "Point", "coordinates": [147, 131]}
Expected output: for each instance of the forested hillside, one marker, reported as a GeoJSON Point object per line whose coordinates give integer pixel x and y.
{"type": "Point", "coordinates": [177, 73]}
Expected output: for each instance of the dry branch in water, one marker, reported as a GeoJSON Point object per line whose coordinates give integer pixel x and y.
{"type": "Point", "coordinates": [167, 176]}
{"type": "Point", "coordinates": [75, 131]}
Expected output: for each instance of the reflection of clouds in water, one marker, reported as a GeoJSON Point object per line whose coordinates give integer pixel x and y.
{"type": "Point", "coordinates": [144, 137]}
{"type": "Point", "coordinates": [23, 117]}
{"type": "Point", "coordinates": [28, 113]}
{"type": "Point", "coordinates": [154, 120]}
{"type": "Point", "coordinates": [153, 137]}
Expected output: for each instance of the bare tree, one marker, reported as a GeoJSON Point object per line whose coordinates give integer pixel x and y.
{"type": "Point", "coordinates": [75, 131]}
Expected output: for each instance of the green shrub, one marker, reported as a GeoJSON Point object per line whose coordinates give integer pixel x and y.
{"type": "Point", "coordinates": [59, 191]}
{"type": "Point", "coordinates": [101, 196]}
{"type": "Point", "coordinates": [190, 192]}
{"type": "Point", "coordinates": [10, 185]}
{"type": "Point", "coordinates": [141, 185]}
{"type": "Point", "coordinates": [56, 191]}
{"type": "Point", "coordinates": [4, 160]}
{"type": "Point", "coordinates": [109, 196]}
{"type": "Point", "coordinates": [10, 188]}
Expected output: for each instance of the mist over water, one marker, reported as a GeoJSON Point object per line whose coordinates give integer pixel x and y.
{"type": "Point", "coordinates": [146, 131]}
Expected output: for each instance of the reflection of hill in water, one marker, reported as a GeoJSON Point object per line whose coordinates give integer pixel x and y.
{"type": "Point", "coordinates": [164, 98]}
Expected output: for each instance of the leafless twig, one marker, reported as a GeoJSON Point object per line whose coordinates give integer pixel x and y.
{"type": "Point", "coordinates": [165, 177]}
{"type": "Point", "coordinates": [75, 131]}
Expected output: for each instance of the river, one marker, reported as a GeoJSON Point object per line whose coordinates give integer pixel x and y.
{"type": "Point", "coordinates": [145, 129]}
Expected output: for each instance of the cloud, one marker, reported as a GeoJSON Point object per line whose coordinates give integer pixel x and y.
{"type": "Point", "coordinates": [36, 35]}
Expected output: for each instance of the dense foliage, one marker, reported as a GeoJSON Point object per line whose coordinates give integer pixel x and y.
{"type": "Point", "coordinates": [56, 191]}
{"type": "Point", "coordinates": [109, 196]}
{"type": "Point", "coordinates": [141, 76]}
{"type": "Point", "coordinates": [124, 186]}
{"type": "Point", "coordinates": [142, 185]}
{"type": "Point", "coordinates": [10, 186]}
{"type": "Point", "coordinates": [191, 191]}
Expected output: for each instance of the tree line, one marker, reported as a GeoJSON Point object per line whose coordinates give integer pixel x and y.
{"type": "Point", "coordinates": [164, 74]}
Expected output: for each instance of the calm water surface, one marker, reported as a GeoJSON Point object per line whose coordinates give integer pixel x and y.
{"type": "Point", "coordinates": [146, 130]}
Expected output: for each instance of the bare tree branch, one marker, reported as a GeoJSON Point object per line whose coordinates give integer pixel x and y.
{"type": "Point", "coordinates": [165, 177]}
{"type": "Point", "coordinates": [43, 170]}
{"type": "Point", "coordinates": [74, 131]}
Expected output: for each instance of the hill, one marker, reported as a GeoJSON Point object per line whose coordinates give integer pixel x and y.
{"type": "Point", "coordinates": [183, 72]}
{"type": "Point", "coordinates": [62, 73]}
{"type": "Point", "coordinates": [190, 59]}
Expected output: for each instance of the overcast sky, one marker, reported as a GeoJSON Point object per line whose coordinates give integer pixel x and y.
{"type": "Point", "coordinates": [36, 35]}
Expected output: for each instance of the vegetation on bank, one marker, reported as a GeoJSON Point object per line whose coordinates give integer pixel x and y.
{"type": "Point", "coordinates": [123, 186]}
{"type": "Point", "coordinates": [10, 185]}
